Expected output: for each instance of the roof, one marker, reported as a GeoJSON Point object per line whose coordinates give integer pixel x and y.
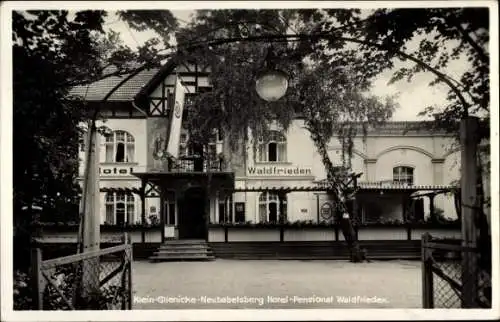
{"type": "Point", "coordinates": [142, 84]}
{"type": "Point", "coordinates": [126, 92]}
{"type": "Point", "coordinates": [399, 186]}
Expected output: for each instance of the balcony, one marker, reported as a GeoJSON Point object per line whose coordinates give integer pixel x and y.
{"type": "Point", "coordinates": [185, 172]}
{"type": "Point", "coordinates": [195, 164]}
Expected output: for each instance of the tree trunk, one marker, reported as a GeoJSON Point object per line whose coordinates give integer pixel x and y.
{"type": "Point", "coordinates": [226, 151]}
{"type": "Point", "coordinates": [457, 200]}
{"type": "Point", "coordinates": [345, 219]}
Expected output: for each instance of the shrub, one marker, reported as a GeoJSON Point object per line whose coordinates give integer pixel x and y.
{"type": "Point", "coordinates": [22, 294]}
{"type": "Point", "coordinates": [109, 297]}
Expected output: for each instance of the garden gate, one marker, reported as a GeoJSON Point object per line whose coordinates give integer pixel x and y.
{"type": "Point", "coordinates": [442, 282]}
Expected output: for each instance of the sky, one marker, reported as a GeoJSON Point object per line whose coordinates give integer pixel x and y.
{"type": "Point", "coordinates": [412, 97]}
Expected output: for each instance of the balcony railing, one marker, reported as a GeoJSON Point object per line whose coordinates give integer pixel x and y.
{"type": "Point", "coordinates": [194, 164]}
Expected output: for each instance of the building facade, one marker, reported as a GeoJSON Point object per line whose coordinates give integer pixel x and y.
{"type": "Point", "coordinates": [395, 161]}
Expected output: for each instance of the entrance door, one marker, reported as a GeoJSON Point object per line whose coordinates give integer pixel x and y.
{"type": "Point", "coordinates": [191, 210]}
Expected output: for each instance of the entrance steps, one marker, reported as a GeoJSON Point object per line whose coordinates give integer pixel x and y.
{"type": "Point", "coordinates": [183, 250]}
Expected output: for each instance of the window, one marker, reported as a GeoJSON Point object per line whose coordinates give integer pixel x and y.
{"type": "Point", "coordinates": [273, 149]}
{"type": "Point", "coordinates": [212, 149]}
{"type": "Point", "coordinates": [402, 175]}
{"type": "Point", "coordinates": [239, 212]}
{"type": "Point", "coordinates": [214, 146]}
{"type": "Point", "coordinates": [272, 207]}
{"type": "Point", "coordinates": [185, 149]}
{"type": "Point", "coordinates": [189, 102]}
{"type": "Point", "coordinates": [222, 211]}
{"type": "Point", "coordinates": [225, 209]}
{"type": "Point", "coordinates": [120, 147]}
{"type": "Point", "coordinates": [190, 99]}
{"type": "Point", "coordinates": [120, 208]}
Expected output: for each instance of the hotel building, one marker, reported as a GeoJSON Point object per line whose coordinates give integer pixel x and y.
{"type": "Point", "coordinates": [397, 161]}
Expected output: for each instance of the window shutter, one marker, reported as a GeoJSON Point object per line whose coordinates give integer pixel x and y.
{"type": "Point", "coordinates": [261, 152]}
{"type": "Point", "coordinates": [282, 152]}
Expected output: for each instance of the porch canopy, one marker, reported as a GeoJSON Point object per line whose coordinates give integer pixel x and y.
{"type": "Point", "coordinates": [218, 180]}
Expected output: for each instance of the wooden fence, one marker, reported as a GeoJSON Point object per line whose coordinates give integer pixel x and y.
{"type": "Point", "coordinates": [96, 280]}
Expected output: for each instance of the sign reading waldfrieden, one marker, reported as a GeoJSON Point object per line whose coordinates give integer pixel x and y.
{"type": "Point", "coordinates": [279, 171]}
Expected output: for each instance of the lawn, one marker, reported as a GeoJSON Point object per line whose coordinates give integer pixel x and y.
{"type": "Point", "coordinates": [261, 284]}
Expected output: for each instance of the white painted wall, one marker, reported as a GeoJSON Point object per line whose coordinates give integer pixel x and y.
{"type": "Point", "coordinates": [423, 169]}
{"type": "Point", "coordinates": [375, 157]}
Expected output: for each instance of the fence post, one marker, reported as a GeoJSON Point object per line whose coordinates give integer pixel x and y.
{"type": "Point", "coordinates": [468, 185]}
{"type": "Point", "coordinates": [126, 278]}
{"type": "Point", "coordinates": [130, 256]}
{"type": "Point", "coordinates": [37, 278]}
{"type": "Point", "coordinates": [123, 278]}
{"type": "Point", "coordinates": [427, 275]}
{"type": "Point", "coordinates": [91, 223]}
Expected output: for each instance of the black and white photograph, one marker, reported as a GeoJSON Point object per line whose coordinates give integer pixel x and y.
{"type": "Point", "coordinates": [249, 160]}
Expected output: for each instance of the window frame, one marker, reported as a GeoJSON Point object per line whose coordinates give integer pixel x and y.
{"type": "Point", "coordinates": [227, 205]}
{"type": "Point", "coordinates": [278, 138]}
{"type": "Point", "coordinates": [266, 198]}
{"type": "Point", "coordinates": [128, 199]}
{"type": "Point", "coordinates": [403, 174]}
{"type": "Point", "coordinates": [214, 141]}
{"type": "Point", "coordinates": [170, 203]}
{"type": "Point", "coordinates": [112, 142]}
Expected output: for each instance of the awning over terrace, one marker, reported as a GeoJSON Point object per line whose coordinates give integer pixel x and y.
{"type": "Point", "coordinates": [118, 189]}
{"type": "Point", "coordinates": [319, 188]}
{"type": "Point", "coordinates": [364, 186]}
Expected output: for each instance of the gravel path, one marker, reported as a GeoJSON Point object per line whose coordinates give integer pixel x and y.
{"type": "Point", "coordinates": [230, 284]}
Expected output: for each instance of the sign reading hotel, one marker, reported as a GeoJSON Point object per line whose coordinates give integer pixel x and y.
{"type": "Point", "coordinates": [114, 171]}
{"type": "Point", "coordinates": [276, 171]}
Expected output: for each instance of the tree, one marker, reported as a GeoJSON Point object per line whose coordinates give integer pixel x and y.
{"type": "Point", "coordinates": [233, 105]}
{"type": "Point", "coordinates": [52, 52]}
{"type": "Point", "coordinates": [435, 38]}
{"type": "Point", "coordinates": [432, 39]}
{"type": "Point", "coordinates": [339, 107]}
